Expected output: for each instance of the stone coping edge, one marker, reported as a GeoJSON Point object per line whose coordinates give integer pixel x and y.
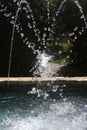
{"type": "Point", "coordinates": [27, 80]}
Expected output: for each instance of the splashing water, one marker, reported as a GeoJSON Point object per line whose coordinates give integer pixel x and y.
{"type": "Point", "coordinates": [70, 114]}
{"type": "Point", "coordinates": [42, 38]}
{"type": "Point", "coordinates": [40, 114]}
{"type": "Point", "coordinates": [43, 67]}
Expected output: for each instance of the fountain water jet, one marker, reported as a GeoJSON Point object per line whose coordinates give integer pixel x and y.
{"type": "Point", "coordinates": [23, 6]}
{"type": "Point", "coordinates": [40, 107]}
{"type": "Point", "coordinates": [12, 38]}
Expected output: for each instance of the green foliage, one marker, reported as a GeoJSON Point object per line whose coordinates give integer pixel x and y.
{"type": "Point", "coordinates": [65, 47]}
{"type": "Point", "coordinates": [62, 44]}
{"type": "Point", "coordinates": [62, 61]}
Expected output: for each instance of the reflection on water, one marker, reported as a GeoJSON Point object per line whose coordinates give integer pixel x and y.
{"type": "Point", "coordinates": [19, 112]}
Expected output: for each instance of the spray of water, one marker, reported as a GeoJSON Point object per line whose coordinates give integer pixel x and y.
{"type": "Point", "coordinates": [52, 115]}
{"type": "Point", "coordinates": [23, 6]}
{"type": "Point", "coordinates": [12, 38]}
{"type": "Point", "coordinates": [43, 67]}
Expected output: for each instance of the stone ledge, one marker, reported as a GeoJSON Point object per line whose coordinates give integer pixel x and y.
{"type": "Point", "coordinates": [27, 80]}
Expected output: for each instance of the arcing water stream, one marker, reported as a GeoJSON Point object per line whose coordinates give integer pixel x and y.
{"type": "Point", "coordinates": [42, 38]}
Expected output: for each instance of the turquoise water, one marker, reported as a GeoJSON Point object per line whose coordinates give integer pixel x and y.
{"type": "Point", "coordinates": [28, 111]}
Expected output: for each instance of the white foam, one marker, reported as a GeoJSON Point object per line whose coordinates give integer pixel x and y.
{"type": "Point", "coordinates": [58, 116]}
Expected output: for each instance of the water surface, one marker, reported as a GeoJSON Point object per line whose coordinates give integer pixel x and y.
{"type": "Point", "coordinates": [29, 112]}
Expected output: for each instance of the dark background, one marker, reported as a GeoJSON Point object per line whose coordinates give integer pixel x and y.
{"type": "Point", "coordinates": [22, 57]}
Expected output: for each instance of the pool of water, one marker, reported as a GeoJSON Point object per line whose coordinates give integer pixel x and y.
{"type": "Point", "coordinates": [41, 110]}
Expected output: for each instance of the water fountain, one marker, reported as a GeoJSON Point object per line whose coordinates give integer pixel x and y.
{"type": "Point", "coordinates": [49, 105]}
{"type": "Point", "coordinates": [42, 39]}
